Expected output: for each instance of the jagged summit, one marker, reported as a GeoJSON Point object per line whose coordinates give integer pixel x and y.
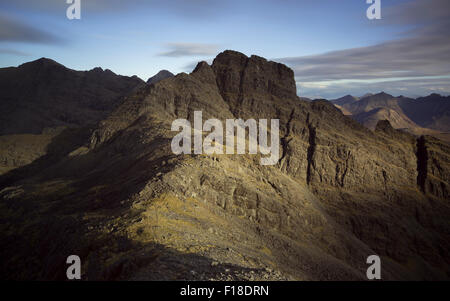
{"type": "Point", "coordinates": [201, 65]}
{"type": "Point", "coordinates": [236, 72]}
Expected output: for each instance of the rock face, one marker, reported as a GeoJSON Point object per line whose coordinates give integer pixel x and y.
{"type": "Point", "coordinates": [131, 209]}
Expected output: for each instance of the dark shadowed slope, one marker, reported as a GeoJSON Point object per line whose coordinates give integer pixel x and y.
{"type": "Point", "coordinates": [40, 99]}
{"type": "Point", "coordinates": [44, 94]}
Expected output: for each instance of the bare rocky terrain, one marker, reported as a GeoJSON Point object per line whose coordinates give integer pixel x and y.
{"type": "Point", "coordinates": [113, 192]}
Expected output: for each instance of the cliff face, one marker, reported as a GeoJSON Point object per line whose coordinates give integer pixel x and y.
{"type": "Point", "coordinates": [134, 210]}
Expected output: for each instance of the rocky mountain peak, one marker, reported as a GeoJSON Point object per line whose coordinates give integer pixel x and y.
{"type": "Point", "coordinates": [163, 74]}
{"type": "Point", "coordinates": [97, 69]}
{"type": "Point", "coordinates": [204, 71]}
{"type": "Point", "coordinates": [347, 99]}
{"type": "Point", "coordinates": [237, 73]}
{"type": "Point", "coordinates": [382, 94]}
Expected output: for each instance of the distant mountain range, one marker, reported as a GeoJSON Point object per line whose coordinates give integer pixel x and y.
{"type": "Point", "coordinates": [425, 115]}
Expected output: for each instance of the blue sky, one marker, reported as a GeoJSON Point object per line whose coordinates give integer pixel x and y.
{"type": "Point", "coordinates": [331, 45]}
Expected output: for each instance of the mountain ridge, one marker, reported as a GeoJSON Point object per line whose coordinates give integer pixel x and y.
{"type": "Point", "coordinates": [134, 210]}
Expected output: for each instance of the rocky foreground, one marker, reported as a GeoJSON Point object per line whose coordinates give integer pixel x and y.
{"type": "Point", "coordinates": [117, 196]}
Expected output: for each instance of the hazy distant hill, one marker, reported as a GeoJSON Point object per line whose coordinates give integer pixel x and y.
{"type": "Point", "coordinates": [366, 104]}
{"type": "Point", "coordinates": [345, 100]}
{"type": "Point", "coordinates": [429, 114]}
{"type": "Point", "coordinates": [432, 111]}
{"type": "Point", "coordinates": [395, 117]}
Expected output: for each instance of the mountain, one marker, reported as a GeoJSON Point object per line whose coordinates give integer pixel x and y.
{"type": "Point", "coordinates": [44, 94]}
{"type": "Point", "coordinates": [347, 99]}
{"type": "Point", "coordinates": [432, 111]}
{"type": "Point", "coordinates": [426, 115]}
{"type": "Point", "coordinates": [396, 118]}
{"type": "Point", "coordinates": [163, 74]}
{"type": "Point", "coordinates": [366, 95]}
{"type": "Point", "coordinates": [366, 104]}
{"type": "Point", "coordinates": [40, 99]}
{"type": "Point", "coordinates": [132, 209]}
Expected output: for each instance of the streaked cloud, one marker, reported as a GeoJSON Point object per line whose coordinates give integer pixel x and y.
{"type": "Point", "coordinates": [420, 52]}
{"type": "Point", "coordinates": [190, 49]}
{"type": "Point", "coordinates": [426, 55]}
{"type": "Point", "coordinates": [13, 52]}
{"type": "Point", "coordinates": [12, 30]}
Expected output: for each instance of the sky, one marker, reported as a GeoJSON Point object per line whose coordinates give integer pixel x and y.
{"type": "Point", "coordinates": [333, 48]}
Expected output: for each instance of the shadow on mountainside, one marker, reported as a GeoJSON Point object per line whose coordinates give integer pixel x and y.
{"type": "Point", "coordinates": [59, 147]}
{"type": "Point", "coordinates": [61, 205]}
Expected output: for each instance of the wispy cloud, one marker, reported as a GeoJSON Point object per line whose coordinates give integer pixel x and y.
{"type": "Point", "coordinates": [190, 49]}
{"type": "Point", "coordinates": [13, 52]}
{"type": "Point", "coordinates": [421, 52]}
{"type": "Point", "coordinates": [12, 30]}
{"type": "Point", "coordinates": [426, 55]}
